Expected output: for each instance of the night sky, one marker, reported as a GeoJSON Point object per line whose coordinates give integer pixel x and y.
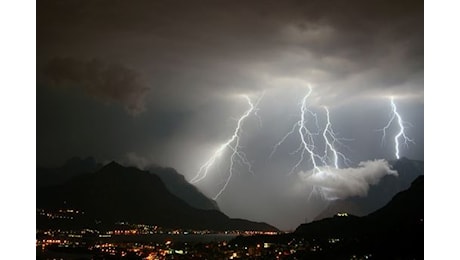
{"type": "Point", "coordinates": [161, 82]}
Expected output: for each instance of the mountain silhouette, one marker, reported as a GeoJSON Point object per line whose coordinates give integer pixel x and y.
{"type": "Point", "coordinates": [395, 231]}
{"type": "Point", "coordinates": [174, 181]}
{"type": "Point", "coordinates": [177, 185]}
{"type": "Point", "coordinates": [116, 193]}
{"type": "Point", "coordinates": [379, 194]}
{"type": "Point", "coordinates": [71, 168]}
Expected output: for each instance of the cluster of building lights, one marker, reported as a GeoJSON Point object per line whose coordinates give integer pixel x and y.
{"type": "Point", "coordinates": [60, 214]}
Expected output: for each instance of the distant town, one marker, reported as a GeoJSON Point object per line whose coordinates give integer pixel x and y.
{"type": "Point", "coordinates": [143, 241]}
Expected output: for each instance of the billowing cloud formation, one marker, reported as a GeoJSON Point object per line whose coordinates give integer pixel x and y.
{"type": "Point", "coordinates": [106, 81]}
{"type": "Point", "coordinates": [348, 182]}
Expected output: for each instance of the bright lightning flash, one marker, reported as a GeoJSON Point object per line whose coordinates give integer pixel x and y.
{"type": "Point", "coordinates": [329, 133]}
{"type": "Point", "coordinates": [401, 132]}
{"type": "Point", "coordinates": [232, 144]}
{"type": "Point", "coordinates": [319, 161]}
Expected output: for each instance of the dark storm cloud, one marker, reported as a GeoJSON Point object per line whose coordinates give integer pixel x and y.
{"type": "Point", "coordinates": [185, 63]}
{"type": "Point", "coordinates": [239, 44]}
{"type": "Point", "coordinates": [108, 82]}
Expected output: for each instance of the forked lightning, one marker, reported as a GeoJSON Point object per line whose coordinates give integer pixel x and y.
{"type": "Point", "coordinates": [402, 128]}
{"type": "Point", "coordinates": [232, 144]}
{"type": "Point", "coordinates": [320, 161]}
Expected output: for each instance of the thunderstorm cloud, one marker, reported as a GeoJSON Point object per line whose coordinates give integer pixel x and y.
{"type": "Point", "coordinates": [109, 82]}
{"type": "Point", "coordinates": [348, 182]}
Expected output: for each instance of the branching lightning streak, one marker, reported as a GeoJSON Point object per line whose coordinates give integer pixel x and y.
{"type": "Point", "coordinates": [256, 109]}
{"type": "Point", "coordinates": [328, 130]}
{"type": "Point", "coordinates": [283, 139]}
{"type": "Point", "coordinates": [402, 129]}
{"type": "Point", "coordinates": [233, 144]}
{"type": "Point", "coordinates": [330, 145]}
{"type": "Point", "coordinates": [307, 144]}
{"type": "Point", "coordinates": [306, 135]}
{"type": "Point", "coordinates": [307, 148]}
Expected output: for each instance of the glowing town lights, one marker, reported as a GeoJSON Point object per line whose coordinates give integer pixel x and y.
{"type": "Point", "coordinates": [232, 144]}
{"type": "Point", "coordinates": [401, 132]}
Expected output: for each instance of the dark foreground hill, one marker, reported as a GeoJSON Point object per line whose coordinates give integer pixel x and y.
{"type": "Point", "coordinates": [393, 232]}
{"type": "Point", "coordinates": [174, 181]}
{"type": "Point", "coordinates": [116, 193]}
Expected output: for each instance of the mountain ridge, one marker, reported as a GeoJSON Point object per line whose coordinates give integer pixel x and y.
{"type": "Point", "coordinates": [179, 186]}
{"type": "Point", "coordinates": [118, 193]}
{"type": "Point", "coordinates": [174, 181]}
{"type": "Point", "coordinates": [395, 231]}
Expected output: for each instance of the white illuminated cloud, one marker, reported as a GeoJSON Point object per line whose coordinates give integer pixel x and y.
{"type": "Point", "coordinates": [348, 182]}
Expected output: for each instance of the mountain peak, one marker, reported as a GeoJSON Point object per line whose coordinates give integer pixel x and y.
{"type": "Point", "coordinates": [112, 165]}
{"type": "Point", "coordinates": [117, 193]}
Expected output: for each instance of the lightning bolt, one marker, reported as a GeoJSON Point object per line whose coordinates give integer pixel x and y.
{"type": "Point", "coordinates": [232, 144]}
{"type": "Point", "coordinates": [308, 149]}
{"type": "Point", "coordinates": [401, 132]}
{"type": "Point", "coordinates": [306, 135]}
{"type": "Point", "coordinates": [283, 139]}
{"type": "Point", "coordinates": [307, 144]}
{"type": "Point", "coordinates": [329, 133]}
